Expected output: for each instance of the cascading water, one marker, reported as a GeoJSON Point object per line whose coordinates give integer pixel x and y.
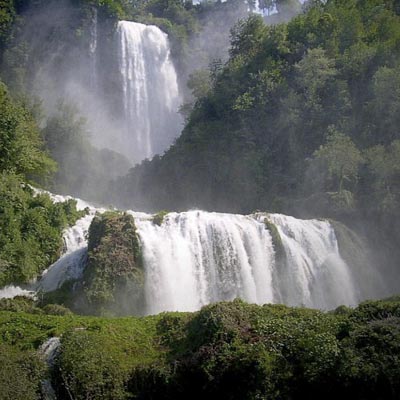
{"type": "Point", "coordinates": [150, 90]}
{"type": "Point", "coordinates": [195, 258]}
{"type": "Point", "coordinates": [71, 264]}
{"type": "Point", "coordinates": [314, 274]}
{"type": "Point", "coordinates": [49, 350]}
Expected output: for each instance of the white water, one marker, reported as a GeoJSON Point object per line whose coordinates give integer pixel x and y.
{"type": "Point", "coordinates": [150, 90]}
{"type": "Point", "coordinates": [314, 275]}
{"type": "Point", "coordinates": [196, 258]}
{"type": "Point", "coordinates": [70, 265]}
{"type": "Point", "coordinates": [11, 291]}
{"type": "Point", "coordinates": [49, 351]}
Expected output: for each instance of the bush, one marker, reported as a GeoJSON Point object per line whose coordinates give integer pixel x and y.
{"type": "Point", "coordinates": [31, 228]}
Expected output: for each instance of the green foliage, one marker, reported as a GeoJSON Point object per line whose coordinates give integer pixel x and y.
{"type": "Point", "coordinates": [159, 217]}
{"type": "Point", "coordinates": [383, 164]}
{"type": "Point", "coordinates": [19, 304]}
{"type": "Point", "coordinates": [7, 15]}
{"type": "Point", "coordinates": [21, 374]}
{"type": "Point", "coordinates": [31, 229]}
{"type": "Point", "coordinates": [56, 309]}
{"type": "Point", "coordinates": [114, 271]}
{"type": "Point", "coordinates": [340, 158]}
{"type": "Point", "coordinates": [21, 145]}
{"type": "Point", "coordinates": [230, 349]}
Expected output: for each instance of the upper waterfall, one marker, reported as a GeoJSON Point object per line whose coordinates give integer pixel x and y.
{"type": "Point", "coordinates": [149, 89]}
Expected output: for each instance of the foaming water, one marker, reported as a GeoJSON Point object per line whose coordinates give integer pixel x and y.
{"type": "Point", "coordinates": [11, 291]}
{"type": "Point", "coordinates": [195, 258]}
{"type": "Point", "coordinates": [71, 264]}
{"type": "Point", "coordinates": [314, 274]}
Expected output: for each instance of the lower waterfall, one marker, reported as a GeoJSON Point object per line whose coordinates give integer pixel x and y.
{"type": "Point", "coordinates": [195, 258]}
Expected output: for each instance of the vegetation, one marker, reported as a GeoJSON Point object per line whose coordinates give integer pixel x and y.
{"type": "Point", "coordinates": [31, 225]}
{"type": "Point", "coordinates": [83, 169]}
{"type": "Point", "coordinates": [232, 349]}
{"type": "Point", "coordinates": [300, 110]}
{"type": "Point", "coordinates": [114, 275]}
{"type": "Point", "coordinates": [21, 145]}
{"type": "Point", "coordinates": [21, 374]}
{"type": "Point", "coordinates": [302, 117]}
{"type": "Point", "coordinates": [31, 228]}
{"type": "Point", "coordinates": [276, 240]}
{"type": "Point", "coordinates": [159, 217]}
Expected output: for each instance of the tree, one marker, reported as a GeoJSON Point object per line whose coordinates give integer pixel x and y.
{"type": "Point", "coordinates": [314, 72]}
{"type": "Point", "coordinates": [385, 106]}
{"type": "Point", "coordinates": [21, 145]}
{"type": "Point", "coordinates": [384, 165]}
{"type": "Point", "coordinates": [246, 36]}
{"type": "Point", "coordinates": [340, 159]}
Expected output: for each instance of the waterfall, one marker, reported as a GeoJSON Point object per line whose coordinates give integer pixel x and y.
{"type": "Point", "coordinates": [49, 351]}
{"type": "Point", "coordinates": [195, 258]}
{"type": "Point", "coordinates": [149, 89]}
{"type": "Point", "coordinates": [71, 264]}
{"type": "Point", "coordinates": [11, 291]}
{"type": "Point", "coordinates": [314, 274]}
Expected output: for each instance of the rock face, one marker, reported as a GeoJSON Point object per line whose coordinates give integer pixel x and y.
{"type": "Point", "coordinates": [113, 280]}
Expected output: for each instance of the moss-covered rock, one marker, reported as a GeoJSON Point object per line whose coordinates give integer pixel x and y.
{"type": "Point", "coordinates": [158, 218]}
{"type": "Point", "coordinates": [114, 275]}
{"type": "Point", "coordinates": [276, 240]}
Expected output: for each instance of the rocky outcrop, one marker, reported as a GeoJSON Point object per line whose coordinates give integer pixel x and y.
{"type": "Point", "coordinates": [113, 280]}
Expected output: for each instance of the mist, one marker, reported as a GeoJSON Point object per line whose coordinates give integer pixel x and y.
{"type": "Point", "coordinates": [99, 116]}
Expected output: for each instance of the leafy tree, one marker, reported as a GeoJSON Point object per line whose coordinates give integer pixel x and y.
{"type": "Point", "coordinates": [340, 158]}
{"type": "Point", "coordinates": [384, 164]}
{"type": "Point", "coordinates": [315, 72]}
{"type": "Point", "coordinates": [7, 15]}
{"type": "Point", "coordinates": [21, 145]}
{"type": "Point", "coordinates": [385, 105]}
{"type": "Point", "coordinates": [31, 228]}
